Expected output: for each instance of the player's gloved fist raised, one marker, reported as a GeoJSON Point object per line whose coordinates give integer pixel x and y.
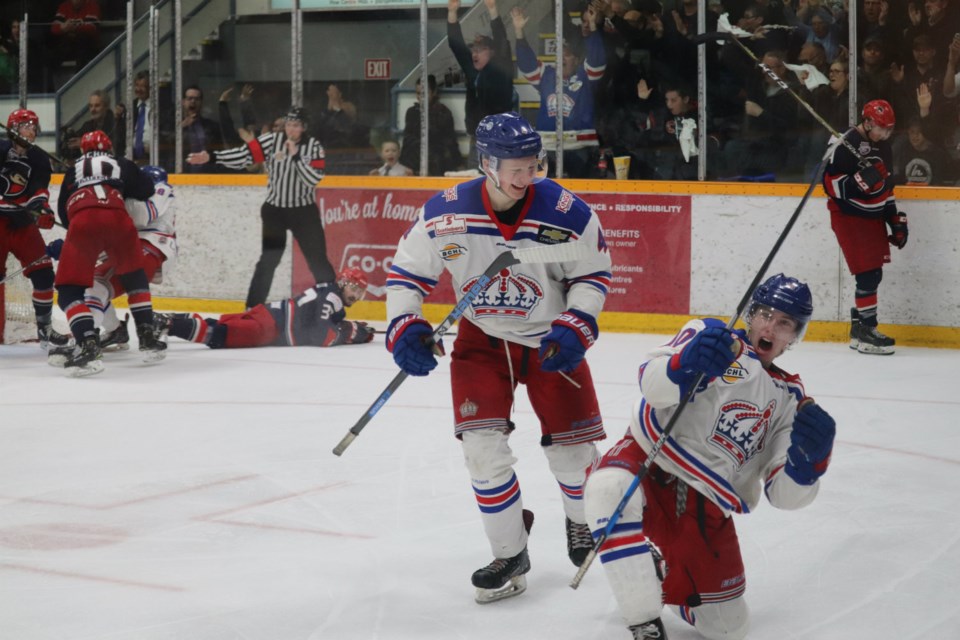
{"type": "Point", "coordinates": [872, 178]}
{"type": "Point", "coordinates": [811, 442]}
{"type": "Point", "coordinates": [410, 340]}
{"type": "Point", "coordinates": [898, 229]}
{"type": "Point", "coordinates": [710, 351]}
{"type": "Point", "coordinates": [571, 334]}
{"type": "Point", "coordinates": [45, 219]}
{"type": "Point", "coordinates": [54, 248]}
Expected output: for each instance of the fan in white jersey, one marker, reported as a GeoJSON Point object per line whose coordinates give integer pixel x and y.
{"type": "Point", "coordinates": [155, 220]}
{"type": "Point", "coordinates": [531, 325]}
{"type": "Point", "coordinates": [749, 428]}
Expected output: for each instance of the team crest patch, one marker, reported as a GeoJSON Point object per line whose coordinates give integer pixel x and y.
{"type": "Point", "coordinates": [565, 202]}
{"type": "Point", "coordinates": [552, 235]}
{"type": "Point", "coordinates": [449, 195]}
{"type": "Point", "coordinates": [506, 295]}
{"type": "Point", "coordinates": [449, 224]}
{"type": "Point", "coordinates": [468, 409]}
{"type": "Point", "coordinates": [452, 251]}
{"type": "Point", "coordinates": [735, 373]}
{"type": "Point", "coordinates": [741, 429]}
{"type": "Point", "coordinates": [865, 148]}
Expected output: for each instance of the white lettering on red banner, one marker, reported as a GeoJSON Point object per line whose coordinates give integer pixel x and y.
{"type": "Point", "coordinates": [376, 69]}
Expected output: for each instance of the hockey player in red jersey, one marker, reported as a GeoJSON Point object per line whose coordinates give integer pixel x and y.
{"type": "Point", "coordinates": [749, 430]}
{"type": "Point", "coordinates": [315, 318]}
{"type": "Point", "coordinates": [531, 325]}
{"type": "Point", "coordinates": [862, 206]}
{"type": "Point", "coordinates": [24, 180]}
{"type": "Point", "coordinates": [91, 205]}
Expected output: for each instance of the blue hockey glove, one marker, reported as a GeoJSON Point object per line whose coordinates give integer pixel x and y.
{"type": "Point", "coordinates": [898, 229]}
{"type": "Point", "coordinates": [410, 340]}
{"type": "Point", "coordinates": [54, 248]}
{"type": "Point", "coordinates": [571, 334]}
{"type": "Point", "coordinates": [811, 442]}
{"type": "Point", "coordinates": [710, 351]}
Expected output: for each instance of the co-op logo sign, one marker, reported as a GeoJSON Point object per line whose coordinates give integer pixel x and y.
{"type": "Point", "coordinates": [373, 259]}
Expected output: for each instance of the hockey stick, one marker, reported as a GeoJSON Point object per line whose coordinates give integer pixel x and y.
{"type": "Point", "coordinates": [23, 142]}
{"type": "Point", "coordinates": [645, 468]}
{"type": "Point", "coordinates": [722, 35]}
{"type": "Point", "coordinates": [13, 275]}
{"type": "Point", "coordinates": [541, 254]}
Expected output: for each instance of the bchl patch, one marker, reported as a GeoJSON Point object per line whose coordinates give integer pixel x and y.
{"type": "Point", "coordinates": [452, 251]}
{"type": "Point", "coordinates": [468, 409]}
{"type": "Point", "coordinates": [565, 202]}
{"type": "Point", "coordinates": [449, 224]}
{"type": "Point", "coordinates": [735, 373]}
{"type": "Point", "coordinates": [552, 235]}
{"type": "Point", "coordinates": [449, 195]}
{"type": "Point", "coordinates": [741, 429]}
{"type": "Point", "coordinates": [865, 148]}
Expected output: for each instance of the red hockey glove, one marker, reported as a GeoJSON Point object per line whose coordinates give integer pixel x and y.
{"type": "Point", "coordinates": [898, 229]}
{"type": "Point", "coordinates": [354, 333]}
{"type": "Point", "coordinates": [872, 178]}
{"type": "Point", "coordinates": [45, 219]}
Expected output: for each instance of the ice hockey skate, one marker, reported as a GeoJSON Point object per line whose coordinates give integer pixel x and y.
{"type": "Point", "coordinates": [871, 341]}
{"type": "Point", "coordinates": [48, 336]}
{"type": "Point", "coordinates": [504, 577]}
{"type": "Point", "coordinates": [652, 630]}
{"type": "Point", "coordinates": [854, 328]}
{"type": "Point", "coordinates": [118, 339]}
{"type": "Point", "coordinates": [579, 542]}
{"type": "Point", "coordinates": [152, 349]}
{"type": "Point", "coordinates": [85, 360]}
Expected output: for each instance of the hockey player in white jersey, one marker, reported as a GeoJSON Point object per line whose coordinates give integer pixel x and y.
{"type": "Point", "coordinates": [749, 427]}
{"type": "Point", "coordinates": [531, 325]}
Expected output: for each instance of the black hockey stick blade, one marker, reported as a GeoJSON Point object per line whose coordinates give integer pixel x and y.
{"type": "Point", "coordinates": [712, 36]}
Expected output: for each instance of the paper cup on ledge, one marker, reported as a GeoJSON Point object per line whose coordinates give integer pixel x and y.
{"type": "Point", "coordinates": [621, 165]}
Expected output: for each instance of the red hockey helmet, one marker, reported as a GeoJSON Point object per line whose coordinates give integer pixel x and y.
{"type": "Point", "coordinates": [880, 113]}
{"type": "Point", "coordinates": [95, 141]}
{"type": "Point", "coordinates": [21, 117]}
{"type": "Point", "coordinates": [354, 276]}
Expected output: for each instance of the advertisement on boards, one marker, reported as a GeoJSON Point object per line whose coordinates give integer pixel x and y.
{"type": "Point", "coordinates": [648, 236]}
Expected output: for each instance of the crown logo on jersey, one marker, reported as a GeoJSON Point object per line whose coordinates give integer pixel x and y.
{"type": "Point", "coordinates": [741, 429]}
{"type": "Point", "coordinates": [468, 409]}
{"type": "Point", "coordinates": [507, 295]}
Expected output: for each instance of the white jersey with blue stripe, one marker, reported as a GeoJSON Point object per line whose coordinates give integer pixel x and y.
{"type": "Point", "coordinates": [457, 230]}
{"type": "Point", "coordinates": [155, 220]}
{"type": "Point", "coordinates": [732, 438]}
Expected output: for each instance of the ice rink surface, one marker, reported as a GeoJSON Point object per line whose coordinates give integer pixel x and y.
{"type": "Point", "coordinates": [198, 499]}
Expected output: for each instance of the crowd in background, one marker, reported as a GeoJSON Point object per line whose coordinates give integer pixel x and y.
{"type": "Point", "coordinates": [630, 73]}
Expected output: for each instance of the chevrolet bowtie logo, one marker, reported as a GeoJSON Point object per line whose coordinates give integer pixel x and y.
{"type": "Point", "coordinates": [554, 234]}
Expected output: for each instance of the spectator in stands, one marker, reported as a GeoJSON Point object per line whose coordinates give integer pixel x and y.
{"type": "Point", "coordinates": [925, 69]}
{"type": "Point", "coordinates": [874, 21]}
{"type": "Point", "coordinates": [102, 118]}
{"type": "Point", "coordinates": [770, 124]}
{"type": "Point", "coordinates": [142, 129]}
{"type": "Point", "coordinates": [951, 76]}
{"type": "Point", "coordinates": [874, 74]}
{"type": "Point", "coordinates": [443, 152]}
{"type": "Point", "coordinates": [390, 154]}
{"type": "Point", "coordinates": [934, 19]}
{"type": "Point", "coordinates": [76, 32]}
{"type": "Point", "coordinates": [487, 66]}
{"type": "Point", "coordinates": [337, 123]}
{"type": "Point", "coordinates": [9, 63]}
{"type": "Point", "coordinates": [249, 127]}
{"type": "Point", "coordinates": [580, 74]}
{"type": "Point", "coordinates": [634, 127]}
{"type": "Point", "coordinates": [199, 133]}
{"type": "Point", "coordinates": [680, 159]}
{"type": "Point", "coordinates": [920, 162]}
{"type": "Point", "coordinates": [825, 31]}
{"type": "Point", "coordinates": [814, 53]}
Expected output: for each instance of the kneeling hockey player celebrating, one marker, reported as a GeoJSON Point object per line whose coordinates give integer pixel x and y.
{"type": "Point", "coordinates": [749, 427]}
{"type": "Point", "coordinates": [315, 318]}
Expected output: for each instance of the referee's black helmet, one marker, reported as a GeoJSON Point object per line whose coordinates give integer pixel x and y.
{"type": "Point", "coordinates": [299, 113]}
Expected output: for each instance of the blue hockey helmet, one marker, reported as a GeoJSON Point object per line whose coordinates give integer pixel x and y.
{"type": "Point", "coordinates": [157, 174]}
{"type": "Point", "coordinates": [507, 135]}
{"type": "Point", "coordinates": [785, 294]}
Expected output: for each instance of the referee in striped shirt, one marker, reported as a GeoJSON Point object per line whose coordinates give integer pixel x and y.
{"type": "Point", "coordinates": [294, 163]}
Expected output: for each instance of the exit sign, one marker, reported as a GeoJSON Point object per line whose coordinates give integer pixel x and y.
{"type": "Point", "coordinates": [376, 69]}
